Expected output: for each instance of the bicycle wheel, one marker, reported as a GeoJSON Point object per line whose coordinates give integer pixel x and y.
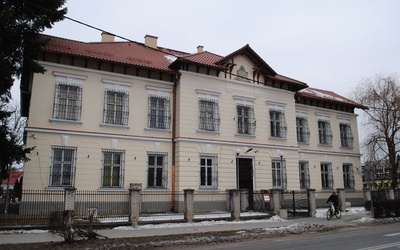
{"type": "Point", "coordinates": [328, 214]}
{"type": "Point", "coordinates": [338, 214]}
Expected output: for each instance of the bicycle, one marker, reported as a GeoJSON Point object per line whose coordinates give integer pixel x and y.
{"type": "Point", "coordinates": [330, 213]}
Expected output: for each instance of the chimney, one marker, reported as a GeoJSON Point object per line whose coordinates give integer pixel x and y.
{"type": "Point", "coordinates": [200, 48]}
{"type": "Point", "coordinates": [150, 41]}
{"type": "Point", "coordinates": [107, 37]}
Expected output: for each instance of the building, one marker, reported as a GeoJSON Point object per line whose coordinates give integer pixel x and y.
{"type": "Point", "coordinates": [107, 114]}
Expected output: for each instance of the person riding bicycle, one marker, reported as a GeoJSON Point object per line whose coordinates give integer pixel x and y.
{"type": "Point", "coordinates": [335, 200]}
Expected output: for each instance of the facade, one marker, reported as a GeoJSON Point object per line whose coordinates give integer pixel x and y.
{"type": "Point", "coordinates": [107, 114]}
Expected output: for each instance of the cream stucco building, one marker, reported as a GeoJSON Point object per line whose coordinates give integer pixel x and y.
{"type": "Point", "coordinates": [107, 114]}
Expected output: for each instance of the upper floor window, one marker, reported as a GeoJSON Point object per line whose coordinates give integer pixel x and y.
{"type": "Point", "coordinates": [68, 97]}
{"type": "Point", "coordinates": [324, 132]}
{"type": "Point", "coordinates": [157, 171]}
{"type": "Point", "coordinates": [113, 169]}
{"type": "Point", "coordinates": [326, 176]}
{"type": "Point", "coordinates": [304, 175]}
{"type": "Point", "coordinates": [278, 123]}
{"type": "Point", "coordinates": [62, 168]}
{"type": "Point", "coordinates": [303, 132]}
{"type": "Point", "coordinates": [208, 114]}
{"type": "Point", "coordinates": [346, 136]}
{"type": "Point", "coordinates": [159, 115]}
{"type": "Point", "coordinates": [116, 107]}
{"type": "Point", "coordinates": [208, 172]}
{"type": "Point", "coordinates": [245, 119]}
{"type": "Point", "coordinates": [348, 176]}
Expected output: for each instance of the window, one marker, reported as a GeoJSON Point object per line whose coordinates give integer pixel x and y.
{"type": "Point", "coordinates": [208, 114]}
{"type": "Point", "coordinates": [278, 124]}
{"type": "Point", "coordinates": [278, 174]}
{"type": "Point", "coordinates": [113, 169]}
{"type": "Point", "coordinates": [346, 136]}
{"type": "Point", "coordinates": [157, 171]}
{"type": "Point", "coordinates": [325, 132]}
{"type": "Point", "coordinates": [159, 115]}
{"type": "Point", "coordinates": [303, 133]}
{"type": "Point", "coordinates": [208, 172]}
{"type": "Point", "coordinates": [348, 176]}
{"type": "Point", "coordinates": [62, 167]}
{"type": "Point", "coordinates": [116, 105]}
{"type": "Point", "coordinates": [245, 119]}
{"type": "Point", "coordinates": [304, 175]}
{"type": "Point", "coordinates": [326, 176]}
{"type": "Point", "coordinates": [67, 101]}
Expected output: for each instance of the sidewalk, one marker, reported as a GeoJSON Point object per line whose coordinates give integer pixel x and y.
{"type": "Point", "coordinates": [33, 236]}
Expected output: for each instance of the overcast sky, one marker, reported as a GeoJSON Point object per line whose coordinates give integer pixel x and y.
{"type": "Point", "coordinates": [331, 45]}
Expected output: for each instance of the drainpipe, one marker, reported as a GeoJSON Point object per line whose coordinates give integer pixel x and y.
{"type": "Point", "coordinates": [174, 118]}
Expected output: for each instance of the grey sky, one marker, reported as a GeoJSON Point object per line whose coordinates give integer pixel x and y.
{"type": "Point", "coordinates": [327, 44]}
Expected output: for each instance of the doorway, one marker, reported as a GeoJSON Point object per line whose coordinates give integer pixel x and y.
{"type": "Point", "coordinates": [245, 178]}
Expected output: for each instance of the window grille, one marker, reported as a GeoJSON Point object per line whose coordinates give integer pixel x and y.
{"type": "Point", "coordinates": [246, 123]}
{"type": "Point", "coordinates": [278, 124]}
{"type": "Point", "coordinates": [346, 136]}
{"type": "Point", "coordinates": [325, 132]}
{"type": "Point", "coordinates": [116, 107]}
{"type": "Point", "coordinates": [209, 115]}
{"type": "Point", "coordinates": [157, 175]}
{"type": "Point", "coordinates": [67, 101]}
{"type": "Point", "coordinates": [303, 132]}
{"type": "Point", "coordinates": [113, 169]}
{"type": "Point", "coordinates": [62, 169]}
{"type": "Point", "coordinates": [208, 172]}
{"type": "Point", "coordinates": [159, 115]}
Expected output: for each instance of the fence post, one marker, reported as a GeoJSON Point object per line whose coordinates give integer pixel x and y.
{"type": "Point", "coordinates": [312, 204]}
{"type": "Point", "coordinates": [389, 194]}
{"type": "Point", "coordinates": [276, 201]}
{"type": "Point", "coordinates": [234, 195]}
{"type": "Point", "coordinates": [342, 199]}
{"type": "Point", "coordinates": [69, 206]}
{"type": "Point", "coordinates": [189, 204]}
{"type": "Point", "coordinates": [134, 193]}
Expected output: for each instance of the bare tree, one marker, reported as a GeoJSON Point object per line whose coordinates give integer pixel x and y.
{"type": "Point", "coordinates": [382, 97]}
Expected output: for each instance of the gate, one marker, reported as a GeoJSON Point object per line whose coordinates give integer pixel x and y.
{"type": "Point", "coordinates": [295, 203]}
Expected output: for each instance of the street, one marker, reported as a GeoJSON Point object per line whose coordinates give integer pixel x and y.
{"type": "Point", "coordinates": [363, 238]}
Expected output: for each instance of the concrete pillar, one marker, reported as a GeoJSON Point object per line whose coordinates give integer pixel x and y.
{"type": "Point", "coordinates": [390, 194]}
{"type": "Point", "coordinates": [134, 193]}
{"type": "Point", "coordinates": [189, 204]}
{"type": "Point", "coordinates": [234, 195]}
{"type": "Point", "coordinates": [342, 199]}
{"type": "Point", "coordinates": [69, 206]}
{"type": "Point", "coordinates": [312, 204]}
{"type": "Point", "coordinates": [275, 201]}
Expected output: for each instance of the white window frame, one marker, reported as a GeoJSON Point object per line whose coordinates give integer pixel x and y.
{"type": "Point", "coordinates": [62, 170]}
{"type": "Point", "coordinates": [326, 175]}
{"type": "Point", "coordinates": [159, 116]}
{"type": "Point", "coordinates": [157, 174]}
{"type": "Point", "coordinates": [278, 174]}
{"type": "Point", "coordinates": [302, 129]}
{"type": "Point", "coordinates": [324, 132]}
{"type": "Point", "coordinates": [346, 135]}
{"type": "Point", "coordinates": [304, 175]}
{"type": "Point", "coordinates": [348, 176]}
{"type": "Point", "coordinates": [277, 123]}
{"type": "Point", "coordinates": [115, 168]}
{"type": "Point", "coordinates": [208, 172]}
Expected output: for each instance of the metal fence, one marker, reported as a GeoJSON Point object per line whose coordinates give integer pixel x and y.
{"type": "Point", "coordinates": [295, 203]}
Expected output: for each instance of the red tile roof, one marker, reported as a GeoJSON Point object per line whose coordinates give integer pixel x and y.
{"type": "Point", "coordinates": [326, 95]}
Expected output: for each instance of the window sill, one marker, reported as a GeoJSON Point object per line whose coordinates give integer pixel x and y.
{"type": "Point", "coordinates": [57, 188]}
{"type": "Point", "coordinates": [207, 131]}
{"type": "Point", "coordinates": [345, 147]}
{"type": "Point", "coordinates": [153, 189]}
{"type": "Point", "coordinates": [324, 145]}
{"type": "Point", "coordinates": [112, 189]}
{"type": "Point", "coordinates": [205, 189]}
{"type": "Point", "coordinates": [105, 125]}
{"type": "Point", "coordinates": [158, 130]}
{"type": "Point", "coordinates": [303, 143]}
{"type": "Point", "coordinates": [244, 135]}
{"type": "Point", "coordinates": [277, 138]}
{"type": "Point", "coordinates": [65, 121]}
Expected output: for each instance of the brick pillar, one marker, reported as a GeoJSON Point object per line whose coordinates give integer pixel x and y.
{"type": "Point", "coordinates": [189, 204]}
{"type": "Point", "coordinates": [134, 192]}
{"type": "Point", "coordinates": [342, 199]}
{"type": "Point", "coordinates": [234, 195]}
{"type": "Point", "coordinates": [312, 204]}
{"type": "Point", "coordinates": [275, 201]}
{"type": "Point", "coordinates": [69, 206]}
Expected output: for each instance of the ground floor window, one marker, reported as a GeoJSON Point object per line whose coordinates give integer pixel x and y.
{"type": "Point", "coordinates": [112, 169]}
{"type": "Point", "coordinates": [278, 174]}
{"type": "Point", "coordinates": [208, 172]}
{"type": "Point", "coordinates": [304, 175]}
{"type": "Point", "coordinates": [348, 176]}
{"type": "Point", "coordinates": [157, 171]}
{"type": "Point", "coordinates": [62, 169]}
{"type": "Point", "coordinates": [326, 176]}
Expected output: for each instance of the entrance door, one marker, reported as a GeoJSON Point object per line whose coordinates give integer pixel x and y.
{"type": "Point", "coordinates": [245, 177]}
